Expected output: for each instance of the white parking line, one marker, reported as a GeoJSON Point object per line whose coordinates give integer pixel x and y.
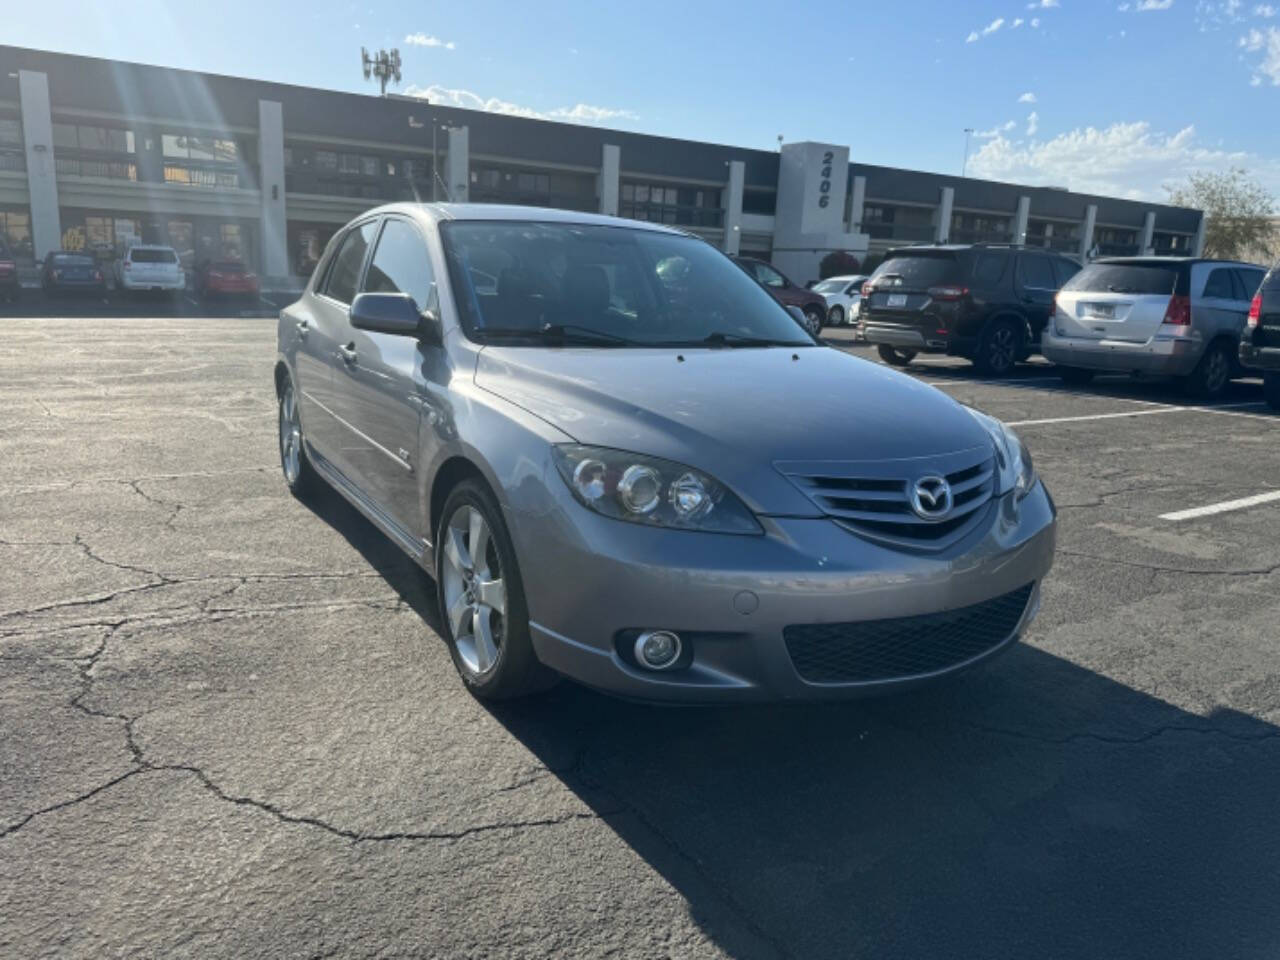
{"type": "Point", "coordinates": [1095, 416]}
{"type": "Point", "coordinates": [1225, 507]}
{"type": "Point", "coordinates": [1224, 409]}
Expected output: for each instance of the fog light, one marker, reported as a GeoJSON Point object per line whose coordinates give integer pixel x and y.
{"type": "Point", "coordinates": [657, 649]}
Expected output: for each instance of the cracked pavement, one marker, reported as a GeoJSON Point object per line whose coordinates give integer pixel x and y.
{"type": "Point", "coordinates": [230, 729]}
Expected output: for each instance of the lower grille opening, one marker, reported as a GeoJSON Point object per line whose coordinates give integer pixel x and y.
{"type": "Point", "coordinates": [901, 647]}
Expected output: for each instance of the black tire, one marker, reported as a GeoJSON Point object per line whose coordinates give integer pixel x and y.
{"type": "Point", "coordinates": [516, 671]}
{"type": "Point", "coordinates": [836, 317]}
{"type": "Point", "coordinates": [1271, 390]}
{"type": "Point", "coordinates": [895, 356]}
{"type": "Point", "coordinates": [301, 480]}
{"type": "Point", "coordinates": [813, 320]}
{"type": "Point", "coordinates": [1212, 375]}
{"type": "Point", "coordinates": [998, 350]}
{"type": "Point", "coordinates": [1075, 376]}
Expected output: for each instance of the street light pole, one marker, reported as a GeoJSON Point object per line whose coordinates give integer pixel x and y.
{"type": "Point", "coordinates": [968, 132]}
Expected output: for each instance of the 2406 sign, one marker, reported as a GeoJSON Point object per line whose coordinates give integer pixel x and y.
{"type": "Point", "coordinates": [824, 185]}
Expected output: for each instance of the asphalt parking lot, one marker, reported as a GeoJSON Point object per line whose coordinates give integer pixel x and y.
{"type": "Point", "coordinates": [230, 730]}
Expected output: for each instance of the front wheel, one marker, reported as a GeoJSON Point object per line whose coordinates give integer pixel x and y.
{"type": "Point", "coordinates": [836, 317]}
{"type": "Point", "coordinates": [481, 599]}
{"type": "Point", "coordinates": [1271, 390]}
{"type": "Point", "coordinates": [813, 320]}
{"type": "Point", "coordinates": [895, 356]}
{"type": "Point", "coordinates": [999, 349]}
{"type": "Point", "coordinates": [299, 475]}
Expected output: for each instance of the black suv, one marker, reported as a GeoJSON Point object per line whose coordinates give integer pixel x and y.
{"type": "Point", "coordinates": [986, 302]}
{"type": "Point", "coordinates": [1260, 345]}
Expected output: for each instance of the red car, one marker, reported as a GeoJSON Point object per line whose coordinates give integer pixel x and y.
{"type": "Point", "coordinates": [9, 288]}
{"type": "Point", "coordinates": [813, 305]}
{"type": "Point", "coordinates": [226, 278]}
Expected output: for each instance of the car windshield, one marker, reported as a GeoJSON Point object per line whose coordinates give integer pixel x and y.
{"type": "Point", "coordinates": [920, 270]}
{"type": "Point", "coordinates": [1124, 278]}
{"type": "Point", "coordinates": [610, 286]}
{"type": "Point", "coordinates": [830, 286]}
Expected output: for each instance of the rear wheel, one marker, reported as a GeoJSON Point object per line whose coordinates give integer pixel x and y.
{"type": "Point", "coordinates": [999, 349]}
{"type": "Point", "coordinates": [836, 317]}
{"type": "Point", "coordinates": [895, 356]}
{"type": "Point", "coordinates": [1076, 376]}
{"type": "Point", "coordinates": [1212, 374]}
{"type": "Point", "coordinates": [1271, 389]}
{"type": "Point", "coordinates": [481, 599]}
{"type": "Point", "coordinates": [813, 320]}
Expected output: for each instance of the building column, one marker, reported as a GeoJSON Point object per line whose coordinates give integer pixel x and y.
{"type": "Point", "coordinates": [610, 171]}
{"type": "Point", "coordinates": [942, 229]}
{"type": "Point", "coordinates": [1197, 245]}
{"type": "Point", "coordinates": [857, 204]}
{"type": "Point", "coordinates": [1020, 220]}
{"type": "Point", "coordinates": [458, 165]}
{"type": "Point", "coordinates": [273, 218]}
{"type": "Point", "coordinates": [1086, 234]}
{"type": "Point", "coordinates": [733, 207]}
{"type": "Point", "coordinates": [42, 182]}
{"type": "Point", "coordinates": [1146, 245]}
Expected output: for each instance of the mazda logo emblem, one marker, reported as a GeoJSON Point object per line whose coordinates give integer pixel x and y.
{"type": "Point", "coordinates": [931, 498]}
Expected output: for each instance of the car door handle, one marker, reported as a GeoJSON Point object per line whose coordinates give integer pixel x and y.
{"type": "Point", "coordinates": [348, 353]}
{"type": "Point", "coordinates": [303, 328]}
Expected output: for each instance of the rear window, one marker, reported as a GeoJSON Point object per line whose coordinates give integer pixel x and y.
{"type": "Point", "coordinates": [228, 266]}
{"type": "Point", "coordinates": [918, 270]}
{"type": "Point", "coordinates": [72, 260]}
{"type": "Point", "coordinates": [152, 256]}
{"type": "Point", "coordinates": [1135, 279]}
{"type": "Point", "coordinates": [1272, 281]}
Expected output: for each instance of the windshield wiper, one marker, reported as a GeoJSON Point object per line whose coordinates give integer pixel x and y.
{"type": "Point", "coordinates": [560, 333]}
{"type": "Point", "coordinates": [720, 338]}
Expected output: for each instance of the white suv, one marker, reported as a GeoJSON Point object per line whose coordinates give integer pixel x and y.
{"type": "Point", "coordinates": [146, 267]}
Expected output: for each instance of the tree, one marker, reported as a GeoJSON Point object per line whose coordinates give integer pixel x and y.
{"type": "Point", "coordinates": [837, 263]}
{"type": "Point", "coordinates": [1239, 212]}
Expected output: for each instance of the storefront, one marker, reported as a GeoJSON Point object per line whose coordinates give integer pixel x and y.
{"type": "Point", "coordinates": [15, 228]}
{"type": "Point", "coordinates": [107, 234]}
{"type": "Point", "coordinates": [306, 243]}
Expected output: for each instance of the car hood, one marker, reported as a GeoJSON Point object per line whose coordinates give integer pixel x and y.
{"type": "Point", "coordinates": [734, 413]}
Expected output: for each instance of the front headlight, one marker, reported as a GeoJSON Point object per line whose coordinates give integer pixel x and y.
{"type": "Point", "coordinates": [1013, 460]}
{"type": "Point", "coordinates": [629, 486]}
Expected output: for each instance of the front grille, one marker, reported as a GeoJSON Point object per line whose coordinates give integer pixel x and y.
{"type": "Point", "coordinates": [871, 498]}
{"type": "Point", "coordinates": [902, 647]}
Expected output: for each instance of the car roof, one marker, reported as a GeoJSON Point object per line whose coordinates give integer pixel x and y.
{"type": "Point", "coordinates": [844, 276]}
{"type": "Point", "coordinates": [150, 246]}
{"type": "Point", "coordinates": [1175, 261]}
{"type": "Point", "coordinates": [513, 213]}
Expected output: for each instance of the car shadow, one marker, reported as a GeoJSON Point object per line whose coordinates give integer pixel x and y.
{"type": "Point", "coordinates": [1031, 808]}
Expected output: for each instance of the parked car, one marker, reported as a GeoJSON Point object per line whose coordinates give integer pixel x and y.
{"type": "Point", "coordinates": [10, 288]}
{"type": "Point", "coordinates": [843, 295]}
{"type": "Point", "coordinates": [1176, 317]}
{"type": "Point", "coordinates": [150, 267]}
{"type": "Point", "coordinates": [66, 272]}
{"type": "Point", "coordinates": [986, 302]}
{"type": "Point", "coordinates": [1260, 345]}
{"type": "Point", "coordinates": [812, 305]}
{"type": "Point", "coordinates": [225, 278]}
{"type": "Point", "coordinates": [647, 478]}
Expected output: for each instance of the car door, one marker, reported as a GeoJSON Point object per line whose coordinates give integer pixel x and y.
{"type": "Point", "coordinates": [1218, 310]}
{"type": "Point", "coordinates": [1036, 287]}
{"type": "Point", "coordinates": [377, 384]}
{"type": "Point", "coordinates": [777, 284]}
{"type": "Point", "coordinates": [327, 332]}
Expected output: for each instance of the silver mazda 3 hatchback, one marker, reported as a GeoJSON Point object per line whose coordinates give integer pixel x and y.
{"type": "Point", "coordinates": [622, 461]}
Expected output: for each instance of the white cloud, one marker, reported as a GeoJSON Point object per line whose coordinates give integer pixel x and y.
{"type": "Point", "coordinates": [1267, 43]}
{"type": "Point", "coordinates": [426, 40]}
{"type": "Point", "coordinates": [1005, 127]}
{"type": "Point", "coordinates": [1265, 10]}
{"type": "Point", "coordinates": [1017, 22]}
{"type": "Point", "coordinates": [1033, 123]}
{"type": "Point", "coordinates": [973, 35]}
{"type": "Point", "coordinates": [466, 100]}
{"type": "Point", "coordinates": [1027, 97]}
{"type": "Point", "coordinates": [1042, 4]}
{"type": "Point", "coordinates": [1146, 5]}
{"type": "Point", "coordinates": [1124, 160]}
{"type": "Point", "coordinates": [989, 29]}
{"type": "Point", "coordinates": [1035, 23]}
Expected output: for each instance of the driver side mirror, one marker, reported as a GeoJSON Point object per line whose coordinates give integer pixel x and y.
{"type": "Point", "coordinates": [396, 314]}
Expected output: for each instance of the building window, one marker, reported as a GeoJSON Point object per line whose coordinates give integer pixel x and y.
{"type": "Point", "coordinates": [571, 191]}
{"type": "Point", "coordinates": [763, 202]}
{"type": "Point", "coordinates": [660, 203]}
{"type": "Point", "coordinates": [327, 160]}
{"type": "Point", "coordinates": [201, 161]}
{"type": "Point", "coordinates": [15, 228]}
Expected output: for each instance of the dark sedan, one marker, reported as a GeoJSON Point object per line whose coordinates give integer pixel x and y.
{"type": "Point", "coordinates": [67, 273]}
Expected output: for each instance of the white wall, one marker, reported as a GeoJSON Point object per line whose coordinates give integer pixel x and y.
{"type": "Point", "coordinates": [42, 183]}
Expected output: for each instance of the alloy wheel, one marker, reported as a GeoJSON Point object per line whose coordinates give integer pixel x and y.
{"type": "Point", "coordinates": [290, 436]}
{"type": "Point", "coordinates": [1002, 348]}
{"type": "Point", "coordinates": [1217, 372]}
{"type": "Point", "coordinates": [475, 595]}
{"type": "Point", "coordinates": [814, 322]}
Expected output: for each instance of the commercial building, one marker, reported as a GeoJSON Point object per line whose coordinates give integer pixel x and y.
{"type": "Point", "coordinates": [95, 154]}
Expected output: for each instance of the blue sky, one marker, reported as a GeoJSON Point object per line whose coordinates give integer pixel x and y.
{"type": "Point", "coordinates": [1105, 95]}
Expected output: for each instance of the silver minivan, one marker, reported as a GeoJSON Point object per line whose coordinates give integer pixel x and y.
{"type": "Point", "coordinates": [1176, 317]}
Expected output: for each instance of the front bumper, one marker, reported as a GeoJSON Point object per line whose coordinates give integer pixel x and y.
{"type": "Point", "coordinates": [589, 578]}
{"type": "Point", "coordinates": [1164, 355]}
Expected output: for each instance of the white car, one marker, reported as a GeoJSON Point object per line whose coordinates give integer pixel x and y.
{"type": "Point", "coordinates": [148, 267]}
{"type": "Point", "coordinates": [843, 294]}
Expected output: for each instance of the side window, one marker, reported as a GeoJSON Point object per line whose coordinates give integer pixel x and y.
{"type": "Point", "coordinates": [400, 264]}
{"type": "Point", "coordinates": [1034, 272]}
{"type": "Point", "coordinates": [1250, 282]}
{"type": "Point", "coordinates": [769, 276]}
{"type": "Point", "coordinates": [345, 272]}
{"type": "Point", "coordinates": [1218, 286]}
{"type": "Point", "coordinates": [1064, 270]}
{"type": "Point", "coordinates": [989, 269]}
